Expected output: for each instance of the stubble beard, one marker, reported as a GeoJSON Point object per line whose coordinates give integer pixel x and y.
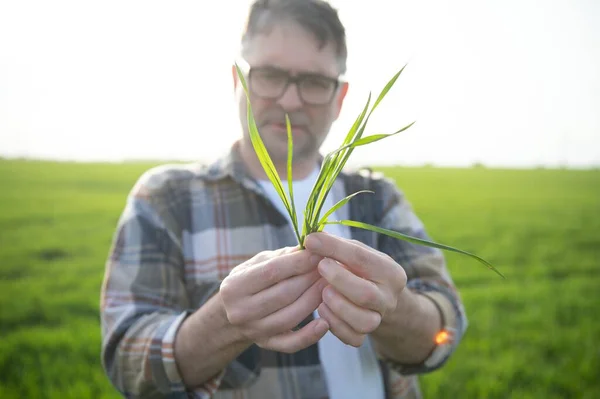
{"type": "Point", "coordinates": [305, 151]}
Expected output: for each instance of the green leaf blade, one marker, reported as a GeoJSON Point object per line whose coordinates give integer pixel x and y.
{"type": "Point", "coordinates": [386, 89]}
{"type": "Point", "coordinates": [339, 204]}
{"type": "Point", "coordinates": [290, 177]}
{"type": "Point", "coordinates": [261, 150]}
{"type": "Point", "coordinates": [327, 175]}
{"type": "Point", "coordinates": [400, 236]}
{"type": "Point", "coordinates": [376, 137]}
{"type": "Point", "coordinates": [359, 120]}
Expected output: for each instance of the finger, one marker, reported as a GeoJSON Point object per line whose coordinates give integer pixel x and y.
{"type": "Point", "coordinates": [293, 341]}
{"type": "Point", "coordinates": [360, 291]}
{"type": "Point", "coordinates": [362, 259]}
{"type": "Point", "coordinates": [361, 320]}
{"type": "Point", "coordinates": [289, 317]}
{"type": "Point", "coordinates": [263, 256]}
{"type": "Point", "coordinates": [272, 299]}
{"type": "Point", "coordinates": [273, 270]}
{"type": "Point", "coordinates": [362, 244]}
{"type": "Point", "coordinates": [340, 328]}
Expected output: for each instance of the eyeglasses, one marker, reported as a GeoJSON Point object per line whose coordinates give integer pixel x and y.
{"type": "Point", "coordinates": [270, 83]}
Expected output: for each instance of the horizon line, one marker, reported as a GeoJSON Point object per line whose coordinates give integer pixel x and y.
{"type": "Point", "coordinates": [472, 165]}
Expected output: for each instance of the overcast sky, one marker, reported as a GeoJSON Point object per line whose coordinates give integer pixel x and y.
{"type": "Point", "coordinates": [507, 83]}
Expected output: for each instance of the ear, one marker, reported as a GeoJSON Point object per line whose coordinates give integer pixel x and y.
{"type": "Point", "coordinates": [339, 101]}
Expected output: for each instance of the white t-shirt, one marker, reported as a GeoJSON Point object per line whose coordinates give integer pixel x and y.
{"type": "Point", "coordinates": [350, 372]}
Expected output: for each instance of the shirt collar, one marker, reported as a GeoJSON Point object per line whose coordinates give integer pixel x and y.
{"type": "Point", "coordinates": [231, 165]}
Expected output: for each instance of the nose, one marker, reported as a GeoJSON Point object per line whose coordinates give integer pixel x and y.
{"type": "Point", "coordinates": [290, 100]}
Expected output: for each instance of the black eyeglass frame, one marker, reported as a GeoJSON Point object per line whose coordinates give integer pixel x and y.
{"type": "Point", "coordinates": [294, 79]}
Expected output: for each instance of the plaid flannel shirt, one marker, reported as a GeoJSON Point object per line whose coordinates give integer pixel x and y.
{"type": "Point", "coordinates": [185, 227]}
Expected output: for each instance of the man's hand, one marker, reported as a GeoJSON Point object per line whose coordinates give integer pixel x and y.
{"type": "Point", "coordinates": [269, 295]}
{"type": "Point", "coordinates": [364, 286]}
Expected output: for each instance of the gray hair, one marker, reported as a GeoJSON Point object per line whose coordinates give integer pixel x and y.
{"type": "Point", "coordinates": [316, 16]}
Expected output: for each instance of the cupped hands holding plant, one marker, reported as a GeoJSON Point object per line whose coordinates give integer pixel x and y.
{"type": "Point", "coordinates": [353, 287]}
{"type": "Point", "coordinates": [356, 290]}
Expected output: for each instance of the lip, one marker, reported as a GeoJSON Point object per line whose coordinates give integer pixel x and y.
{"type": "Point", "coordinates": [283, 128]}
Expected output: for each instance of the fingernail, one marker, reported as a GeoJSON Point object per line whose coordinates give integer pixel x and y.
{"type": "Point", "coordinates": [321, 327]}
{"type": "Point", "coordinates": [327, 293]}
{"type": "Point", "coordinates": [325, 267]}
{"type": "Point", "coordinates": [313, 242]}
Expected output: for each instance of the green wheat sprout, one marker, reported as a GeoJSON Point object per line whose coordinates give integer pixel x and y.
{"type": "Point", "coordinates": [332, 165]}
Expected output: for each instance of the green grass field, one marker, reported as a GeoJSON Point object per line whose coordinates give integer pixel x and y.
{"type": "Point", "coordinates": [534, 335]}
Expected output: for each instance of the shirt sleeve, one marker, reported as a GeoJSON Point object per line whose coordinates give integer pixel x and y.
{"type": "Point", "coordinates": [426, 270]}
{"type": "Point", "coordinates": [144, 301]}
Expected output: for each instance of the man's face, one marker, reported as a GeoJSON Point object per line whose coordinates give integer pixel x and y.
{"type": "Point", "coordinates": [312, 104]}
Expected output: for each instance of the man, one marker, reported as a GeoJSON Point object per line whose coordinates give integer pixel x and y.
{"type": "Point", "coordinates": [206, 292]}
